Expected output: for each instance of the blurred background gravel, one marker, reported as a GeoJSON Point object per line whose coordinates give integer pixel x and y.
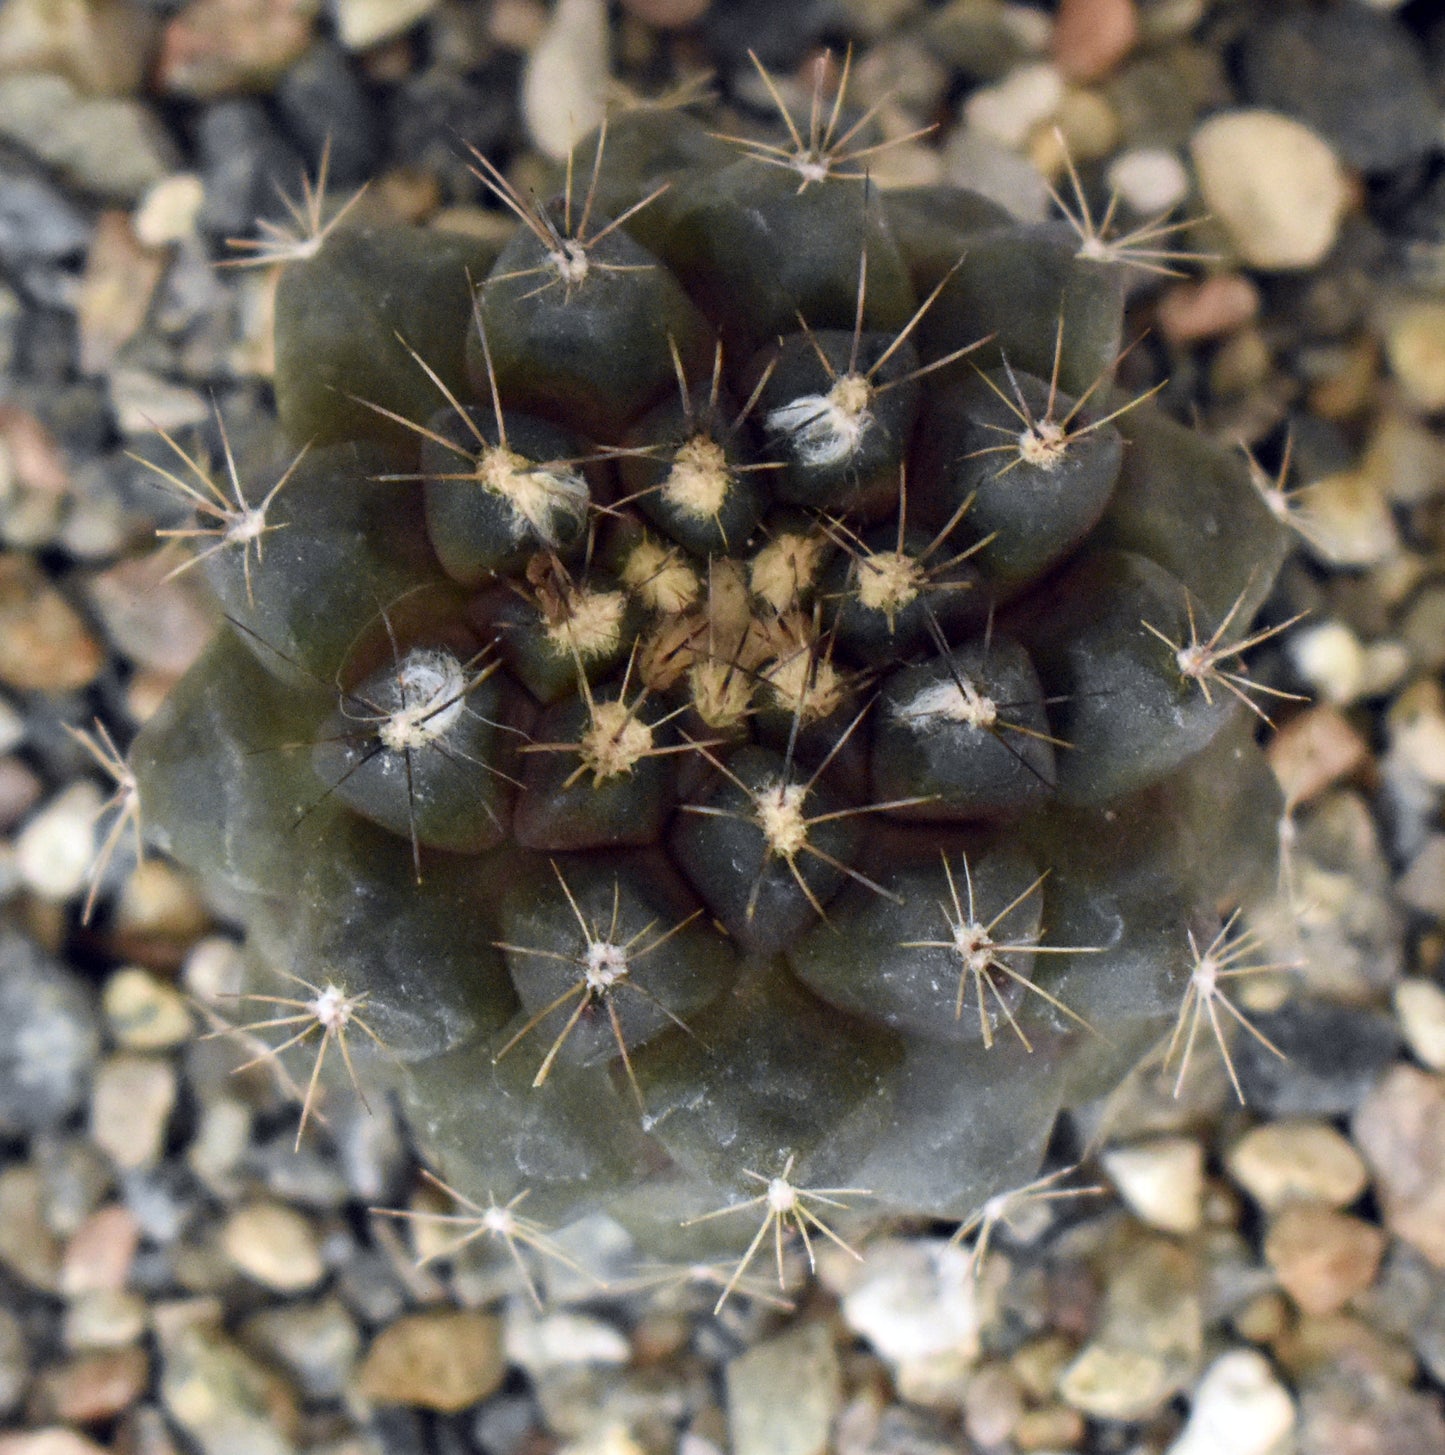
{"type": "Point", "coordinates": [1265, 1280]}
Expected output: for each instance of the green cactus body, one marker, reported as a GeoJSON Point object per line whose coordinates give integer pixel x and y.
{"type": "Point", "coordinates": [723, 695]}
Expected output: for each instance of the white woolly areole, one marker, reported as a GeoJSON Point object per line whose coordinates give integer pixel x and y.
{"type": "Point", "coordinates": [432, 688]}
{"type": "Point", "coordinates": [827, 429]}
{"type": "Point", "coordinates": [543, 498]}
{"type": "Point", "coordinates": [947, 701]}
{"type": "Point", "coordinates": [604, 965]}
{"type": "Point", "coordinates": [615, 743]}
{"type": "Point", "coordinates": [1043, 444]}
{"type": "Point", "coordinates": [698, 483]}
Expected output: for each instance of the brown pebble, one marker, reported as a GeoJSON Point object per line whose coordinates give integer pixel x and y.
{"type": "Point", "coordinates": [1054, 1428]}
{"type": "Point", "coordinates": [158, 624]}
{"type": "Point", "coordinates": [220, 47]}
{"type": "Point", "coordinates": [1315, 750]}
{"type": "Point", "coordinates": [19, 792]}
{"type": "Point", "coordinates": [1219, 305]}
{"type": "Point", "coordinates": [444, 1360]}
{"type": "Point", "coordinates": [1400, 1128]}
{"type": "Point", "coordinates": [35, 455]}
{"type": "Point", "coordinates": [667, 14]}
{"type": "Point", "coordinates": [1091, 37]}
{"type": "Point", "coordinates": [93, 1388]}
{"type": "Point", "coordinates": [1322, 1258]}
{"type": "Point", "coordinates": [44, 646]}
{"type": "Point", "coordinates": [100, 1252]}
{"type": "Point", "coordinates": [115, 294]}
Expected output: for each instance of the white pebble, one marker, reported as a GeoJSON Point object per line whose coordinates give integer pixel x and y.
{"type": "Point", "coordinates": [168, 211]}
{"type": "Point", "coordinates": [1009, 110]}
{"type": "Point", "coordinates": [1240, 1408]}
{"type": "Point", "coordinates": [1420, 1007]}
{"type": "Point", "coordinates": [1330, 658]}
{"type": "Point", "coordinates": [55, 849]}
{"type": "Point", "coordinates": [1150, 180]}
{"type": "Point", "coordinates": [1161, 1181]}
{"type": "Point", "coordinates": [915, 1299]}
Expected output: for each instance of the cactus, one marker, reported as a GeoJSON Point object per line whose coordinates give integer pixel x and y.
{"type": "Point", "coordinates": [730, 685]}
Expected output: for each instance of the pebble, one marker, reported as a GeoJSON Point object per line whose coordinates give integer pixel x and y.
{"type": "Point", "coordinates": [1400, 1128]}
{"type": "Point", "coordinates": [89, 1389]}
{"type": "Point", "coordinates": [14, 1362]}
{"type": "Point", "coordinates": [168, 211]}
{"type": "Point", "coordinates": [1091, 37]}
{"type": "Point", "coordinates": [143, 1012]}
{"type": "Point", "coordinates": [322, 101]}
{"type": "Point", "coordinates": [48, 1039]}
{"type": "Point", "coordinates": [563, 89]}
{"type": "Point", "coordinates": [1149, 1338]}
{"type": "Point", "coordinates": [114, 147]}
{"type": "Point", "coordinates": [105, 1319]}
{"type": "Point", "coordinates": [916, 1299]}
{"type": "Point", "coordinates": [538, 1343]}
{"type": "Point", "coordinates": [679, 14]}
{"type": "Point", "coordinates": [20, 791]}
{"type": "Point", "coordinates": [361, 24]}
{"type": "Point", "coordinates": [44, 644]}
{"type": "Point", "coordinates": [38, 223]}
{"type": "Point", "coordinates": [1416, 726]}
{"type": "Point", "coordinates": [217, 48]}
{"type": "Point", "coordinates": [100, 1252]}
{"type": "Point", "coordinates": [1321, 1257]}
{"type": "Point", "coordinates": [1282, 1162]}
{"type": "Point", "coordinates": [1219, 304]}
{"type": "Point", "coordinates": [1011, 108]}
{"type": "Point", "coordinates": [1149, 180]}
{"type": "Point", "coordinates": [979, 161]}
{"type": "Point", "coordinates": [1273, 184]}
{"type": "Point", "coordinates": [1415, 347]}
{"type": "Point", "coordinates": [1238, 1408]}
{"type": "Point", "coordinates": [143, 402]}
{"type": "Point", "coordinates": [226, 1401]}
{"type": "Point", "coordinates": [121, 276]}
{"type": "Point", "coordinates": [245, 164]}
{"type": "Point", "coordinates": [1335, 1054]}
{"type": "Point", "coordinates": [55, 850]}
{"type": "Point", "coordinates": [53, 1440]}
{"type": "Point", "coordinates": [1315, 750]}
{"type": "Point", "coordinates": [441, 1360]}
{"type": "Point", "coordinates": [274, 1245]}
{"type": "Point", "coordinates": [130, 1108]}
{"type": "Point", "coordinates": [1161, 1181]}
{"type": "Point", "coordinates": [1422, 886]}
{"type": "Point", "coordinates": [1420, 1008]}
{"type": "Point", "coordinates": [1357, 1414]}
{"type": "Point", "coordinates": [784, 1392]}
{"type": "Point", "coordinates": [28, 1247]}
{"type": "Point", "coordinates": [317, 1344]}
{"type": "Point", "coordinates": [104, 48]}
{"type": "Point", "coordinates": [1358, 79]}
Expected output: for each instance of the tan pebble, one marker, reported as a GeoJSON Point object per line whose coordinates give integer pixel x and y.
{"type": "Point", "coordinates": [103, 48]}
{"type": "Point", "coordinates": [1422, 886]}
{"type": "Point", "coordinates": [100, 1252]}
{"type": "Point", "coordinates": [92, 1388]}
{"type": "Point", "coordinates": [1400, 1128]}
{"type": "Point", "coordinates": [54, 851]}
{"type": "Point", "coordinates": [1326, 1343]}
{"type": "Point", "coordinates": [564, 88]}
{"type": "Point", "coordinates": [1161, 1181]}
{"type": "Point", "coordinates": [20, 791]}
{"type": "Point", "coordinates": [120, 279]}
{"type": "Point", "coordinates": [1055, 1427]}
{"type": "Point", "coordinates": [517, 25]}
{"type": "Point", "coordinates": [143, 1012]}
{"type": "Point", "coordinates": [1315, 750]}
{"type": "Point", "coordinates": [159, 624]}
{"type": "Point", "coordinates": [1420, 1009]}
{"type": "Point", "coordinates": [275, 1245]}
{"type": "Point", "coordinates": [1274, 186]}
{"type": "Point", "coordinates": [105, 1319]}
{"type": "Point", "coordinates": [33, 453]}
{"type": "Point", "coordinates": [1321, 1257]}
{"type": "Point", "coordinates": [219, 47]}
{"type": "Point", "coordinates": [130, 1106]}
{"type": "Point", "coordinates": [992, 1403]}
{"type": "Point", "coordinates": [1189, 312]}
{"type": "Point", "coordinates": [44, 645]}
{"type": "Point", "coordinates": [667, 14]}
{"type": "Point", "coordinates": [1297, 1161]}
{"type": "Point", "coordinates": [443, 1360]}
{"type": "Point", "coordinates": [1091, 37]}
{"type": "Point", "coordinates": [161, 901]}
{"type": "Point", "coordinates": [1264, 1318]}
{"type": "Point", "coordinates": [168, 211]}
{"type": "Point", "coordinates": [1415, 346]}
{"type": "Point", "coordinates": [28, 1247]}
{"type": "Point", "coordinates": [361, 24]}
{"type": "Point", "coordinates": [53, 1441]}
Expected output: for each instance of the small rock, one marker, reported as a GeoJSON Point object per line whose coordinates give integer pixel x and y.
{"type": "Point", "coordinates": [246, 165]}
{"type": "Point", "coordinates": [1150, 181]}
{"type": "Point", "coordinates": [55, 849]}
{"type": "Point", "coordinates": [1401, 1130]}
{"type": "Point", "coordinates": [1010, 109]}
{"type": "Point", "coordinates": [130, 1108]}
{"type": "Point", "coordinates": [976, 160]}
{"type": "Point", "coordinates": [143, 1012]}
{"type": "Point", "coordinates": [1322, 1258]}
{"type": "Point", "coordinates": [323, 103]}
{"type": "Point", "coordinates": [443, 1360]}
{"type": "Point", "coordinates": [1422, 886]}
{"type": "Point", "coordinates": [1150, 1334]}
{"type": "Point", "coordinates": [1334, 1055]}
{"type": "Point", "coordinates": [316, 1343]}
{"type": "Point", "coordinates": [227, 1402]}
{"type": "Point", "coordinates": [110, 146]}
{"type": "Point", "coordinates": [14, 1362]}
{"type": "Point", "coordinates": [20, 791]}
{"type": "Point", "coordinates": [90, 1389]}
{"type": "Point", "coordinates": [44, 645]}
{"type": "Point", "coordinates": [675, 14]}
{"type": "Point", "coordinates": [361, 24]}
{"type": "Point", "coordinates": [565, 83]}
{"type": "Point", "coordinates": [38, 223]}
{"type": "Point", "coordinates": [102, 46]}
{"type": "Point", "coordinates": [158, 624]}
{"type": "Point", "coordinates": [48, 1039]}
{"type": "Point", "coordinates": [1357, 79]}
{"type": "Point", "coordinates": [1416, 726]}
{"type": "Point", "coordinates": [1315, 750]}
{"type": "Point", "coordinates": [1415, 347]}
{"type": "Point", "coordinates": [55, 1440]}
{"type": "Point", "coordinates": [1420, 1007]}
{"type": "Point", "coordinates": [1239, 1408]}
{"type": "Point", "coordinates": [1357, 1414]}
{"type": "Point", "coordinates": [120, 279]}
{"type": "Point", "coordinates": [1273, 184]}
{"type": "Point", "coordinates": [28, 1248]}
{"type": "Point", "coordinates": [100, 1253]}
{"type": "Point", "coordinates": [1091, 37]}
{"type": "Point", "coordinates": [1219, 304]}
{"type": "Point", "coordinates": [1297, 1161]}
{"type": "Point", "coordinates": [144, 403]}
{"type": "Point", "coordinates": [217, 48]}
{"type": "Point", "coordinates": [1161, 1181]}
{"type": "Point", "coordinates": [168, 211]}
{"type": "Point", "coordinates": [783, 1393]}
{"type": "Point", "coordinates": [915, 1299]}
{"type": "Point", "coordinates": [105, 1319]}
{"type": "Point", "coordinates": [538, 1343]}
{"type": "Point", "coordinates": [275, 1245]}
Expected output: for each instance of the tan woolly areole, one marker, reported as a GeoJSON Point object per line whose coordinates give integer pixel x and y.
{"type": "Point", "coordinates": [433, 687]}
{"type": "Point", "coordinates": [948, 701]}
{"type": "Point", "coordinates": [615, 742]}
{"type": "Point", "coordinates": [807, 687]}
{"type": "Point", "coordinates": [591, 624]}
{"type": "Point", "coordinates": [888, 581]}
{"type": "Point", "coordinates": [1043, 444]}
{"type": "Point", "coordinates": [721, 694]}
{"type": "Point", "coordinates": [779, 808]}
{"type": "Point", "coordinates": [537, 494]}
{"type": "Point", "coordinates": [785, 568]}
{"type": "Point", "coordinates": [699, 481]}
{"type": "Point", "coordinates": [661, 579]}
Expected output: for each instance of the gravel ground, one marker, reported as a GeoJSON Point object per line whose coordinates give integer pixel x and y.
{"type": "Point", "coordinates": [1217, 1278]}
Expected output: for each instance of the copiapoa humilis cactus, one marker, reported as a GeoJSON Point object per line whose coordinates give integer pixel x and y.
{"type": "Point", "coordinates": [723, 691]}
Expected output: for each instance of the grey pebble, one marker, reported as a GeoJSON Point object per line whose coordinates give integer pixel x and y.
{"type": "Point", "coordinates": [503, 1422]}
{"type": "Point", "coordinates": [317, 1343]}
{"type": "Point", "coordinates": [49, 1036]}
{"type": "Point", "coordinates": [322, 99]}
{"type": "Point", "coordinates": [14, 1362]}
{"type": "Point", "coordinates": [37, 220]}
{"type": "Point", "coordinates": [435, 116]}
{"type": "Point", "coordinates": [245, 164]}
{"type": "Point", "coordinates": [1335, 1054]}
{"type": "Point", "coordinates": [1355, 76]}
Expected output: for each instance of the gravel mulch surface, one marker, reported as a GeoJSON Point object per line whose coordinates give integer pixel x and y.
{"type": "Point", "coordinates": [1225, 1274]}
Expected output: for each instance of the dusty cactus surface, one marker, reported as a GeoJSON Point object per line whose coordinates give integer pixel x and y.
{"type": "Point", "coordinates": [726, 688]}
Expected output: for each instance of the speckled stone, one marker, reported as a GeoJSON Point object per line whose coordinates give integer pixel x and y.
{"type": "Point", "coordinates": [130, 1108]}
{"type": "Point", "coordinates": [783, 1393]}
{"type": "Point", "coordinates": [1297, 1161]}
{"type": "Point", "coordinates": [442, 1360]}
{"type": "Point", "coordinates": [275, 1245]}
{"type": "Point", "coordinates": [1401, 1130]}
{"type": "Point", "coordinates": [1321, 1257]}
